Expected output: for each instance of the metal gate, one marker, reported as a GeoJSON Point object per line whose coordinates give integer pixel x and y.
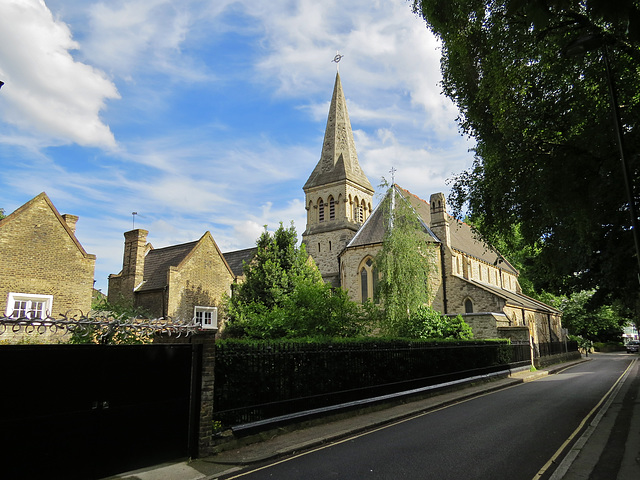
{"type": "Point", "coordinates": [90, 411]}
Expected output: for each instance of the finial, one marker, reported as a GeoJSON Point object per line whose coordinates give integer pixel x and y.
{"type": "Point", "coordinates": [337, 59]}
{"type": "Point", "coordinates": [133, 214]}
{"type": "Point", "coordinates": [393, 175]}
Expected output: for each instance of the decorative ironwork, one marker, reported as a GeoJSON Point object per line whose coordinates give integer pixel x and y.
{"type": "Point", "coordinates": [98, 325]}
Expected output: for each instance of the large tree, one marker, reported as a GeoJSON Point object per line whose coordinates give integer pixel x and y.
{"type": "Point", "coordinates": [547, 157]}
{"type": "Point", "coordinates": [283, 296]}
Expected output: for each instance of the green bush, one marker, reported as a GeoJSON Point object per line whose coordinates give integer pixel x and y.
{"type": "Point", "coordinates": [427, 323]}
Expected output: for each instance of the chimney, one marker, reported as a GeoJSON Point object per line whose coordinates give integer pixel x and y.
{"type": "Point", "coordinates": [135, 243]}
{"type": "Point", "coordinates": [71, 221]}
{"type": "Point", "coordinates": [439, 221]}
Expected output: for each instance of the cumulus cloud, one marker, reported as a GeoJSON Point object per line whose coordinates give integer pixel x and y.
{"type": "Point", "coordinates": [188, 158]}
{"type": "Point", "coordinates": [48, 92]}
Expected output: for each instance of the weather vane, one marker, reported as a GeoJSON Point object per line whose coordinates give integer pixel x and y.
{"type": "Point", "coordinates": [393, 175]}
{"type": "Point", "coordinates": [337, 59]}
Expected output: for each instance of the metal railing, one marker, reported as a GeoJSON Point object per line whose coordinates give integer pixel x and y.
{"type": "Point", "coordinates": [100, 326]}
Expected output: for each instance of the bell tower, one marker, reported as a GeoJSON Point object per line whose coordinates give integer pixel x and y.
{"type": "Point", "coordinates": [338, 195]}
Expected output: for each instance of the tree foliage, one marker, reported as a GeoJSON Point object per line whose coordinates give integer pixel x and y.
{"type": "Point", "coordinates": [426, 323]}
{"type": "Point", "coordinates": [404, 264]}
{"type": "Point", "coordinates": [283, 296]}
{"type": "Point", "coordinates": [546, 157]}
{"type": "Point", "coordinates": [597, 324]}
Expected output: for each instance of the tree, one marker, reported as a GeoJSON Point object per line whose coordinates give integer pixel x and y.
{"type": "Point", "coordinates": [283, 296]}
{"type": "Point", "coordinates": [599, 324]}
{"type": "Point", "coordinates": [404, 264]}
{"type": "Point", "coordinates": [547, 159]}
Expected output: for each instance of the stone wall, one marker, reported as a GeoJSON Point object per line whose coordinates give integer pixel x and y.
{"type": "Point", "coordinates": [350, 261]}
{"type": "Point", "coordinates": [458, 291]}
{"type": "Point", "coordinates": [40, 255]}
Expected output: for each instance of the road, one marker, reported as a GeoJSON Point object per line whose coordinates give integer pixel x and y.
{"type": "Point", "coordinates": [510, 434]}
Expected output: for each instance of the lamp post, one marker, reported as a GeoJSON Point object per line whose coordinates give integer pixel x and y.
{"type": "Point", "coordinates": [592, 42]}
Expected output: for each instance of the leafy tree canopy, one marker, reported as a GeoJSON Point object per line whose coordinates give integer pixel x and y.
{"type": "Point", "coordinates": [599, 324]}
{"type": "Point", "coordinates": [546, 157]}
{"type": "Point", "coordinates": [283, 296]}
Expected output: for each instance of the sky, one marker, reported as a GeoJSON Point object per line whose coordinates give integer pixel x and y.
{"type": "Point", "coordinates": [209, 115]}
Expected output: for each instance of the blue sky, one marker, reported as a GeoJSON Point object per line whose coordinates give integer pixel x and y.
{"type": "Point", "coordinates": [209, 115]}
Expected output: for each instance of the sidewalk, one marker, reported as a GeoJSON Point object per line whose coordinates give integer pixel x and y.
{"type": "Point", "coordinates": [234, 460]}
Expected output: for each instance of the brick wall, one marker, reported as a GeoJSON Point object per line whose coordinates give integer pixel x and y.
{"type": "Point", "coordinates": [39, 255]}
{"type": "Point", "coordinates": [203, 279]}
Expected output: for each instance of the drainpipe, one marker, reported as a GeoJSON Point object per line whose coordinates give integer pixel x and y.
{"type": "Point", "coordinates": [444, 280]}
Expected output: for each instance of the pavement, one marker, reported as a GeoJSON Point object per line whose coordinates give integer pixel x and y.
{"type": "Point", "coordinates": [587, 457]}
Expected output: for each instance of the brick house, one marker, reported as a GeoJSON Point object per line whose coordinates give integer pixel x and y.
{"type": "Point", "coordinates": [44, 270]}
{"type": "Point", "coordinates": [180, 281]}
{"type": "Point", "coordinates": [343, 235]}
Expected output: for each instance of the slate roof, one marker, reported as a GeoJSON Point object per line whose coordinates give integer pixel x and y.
{"type": "Point", "coordinates": [158, 261]}
{"type": "Point", "coordinates": [515, 298]}
{"type": "Point", "coordinates": [236, 259]}
{"type": "Point", "coordinates": [463, 237]}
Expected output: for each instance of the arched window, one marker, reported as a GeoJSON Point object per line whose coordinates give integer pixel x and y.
{"type": "Point", "coordinates": [368, 280]}
{"type": "Point", "coordinates": [321, 211]}
{"type": "Point", "coordinates": [468, 306]}
{"type": "Point", "coordinates": [364, 285]}
{"type": "Point", "coordinates": [332, 209]}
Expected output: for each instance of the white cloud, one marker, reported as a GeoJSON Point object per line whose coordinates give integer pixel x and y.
{"type": "Point", "coordinates": [186, 169]}
{"type": "Point", "coordinates": [49, 93]}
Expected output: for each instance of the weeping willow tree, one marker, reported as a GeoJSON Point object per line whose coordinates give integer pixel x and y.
{"type": "Point", "coordinates": [404, 264]}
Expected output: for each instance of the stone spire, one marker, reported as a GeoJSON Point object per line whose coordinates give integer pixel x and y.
{"type": "Point", "coordinates": [339, 160]}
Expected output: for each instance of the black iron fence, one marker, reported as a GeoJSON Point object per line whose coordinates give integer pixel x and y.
{"type": "Point", "coordinates": [556, 348]}
{"type": "Point", "coordinates": [258, 381]}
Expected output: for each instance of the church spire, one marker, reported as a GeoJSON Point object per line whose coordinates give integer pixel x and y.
{"type": "Point", "coordinates": [339, 160]}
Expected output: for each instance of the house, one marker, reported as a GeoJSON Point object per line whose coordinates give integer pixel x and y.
{"type": "Point", "coordinates": [44, 270]}
{"type": "Point", "coordinates": [343, 235]}
{"type": "Point", "coordinates": [181, 282]}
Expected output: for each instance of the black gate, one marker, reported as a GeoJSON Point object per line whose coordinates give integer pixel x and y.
{"type": "Point", "coordinates": [90, 411]}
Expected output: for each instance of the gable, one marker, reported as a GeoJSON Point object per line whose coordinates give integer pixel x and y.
{"type": "Point", "coordinates": [375, 227]}
{"type": "Point", "coordinates": [158, 261]}
{"type": "Point", "coordinates": [38, 225]}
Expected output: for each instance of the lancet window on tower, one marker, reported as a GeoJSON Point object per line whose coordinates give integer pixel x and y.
{"type": "Point", "coordinates": [332, 209]}
{"type": "Point", "coordinates": [321, 211]}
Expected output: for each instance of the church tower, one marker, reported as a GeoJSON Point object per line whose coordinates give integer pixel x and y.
{"type": "Point", "coordinates": [338, 195]}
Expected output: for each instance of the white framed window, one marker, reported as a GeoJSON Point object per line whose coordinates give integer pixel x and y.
{"type": "Point", "coordinates": [28, 305]}
{"type": "Point", "coordinates": [206, 317]}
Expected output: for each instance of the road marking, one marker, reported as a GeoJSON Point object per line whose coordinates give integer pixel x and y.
{"type": "Point", "coordinates": [377, 429]}
{"type": "Point", "coordinates": [606, 396]}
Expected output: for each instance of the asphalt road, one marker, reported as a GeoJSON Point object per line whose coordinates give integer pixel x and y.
{"type": "Point", "coordinates": [509, 434]}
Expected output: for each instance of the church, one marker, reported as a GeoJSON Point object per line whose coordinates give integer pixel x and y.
{"type": "Point", "coordinates": [344, 233]}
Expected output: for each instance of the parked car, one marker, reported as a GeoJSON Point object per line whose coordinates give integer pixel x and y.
{"type": "Point", "coordinates": [633, 346]}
